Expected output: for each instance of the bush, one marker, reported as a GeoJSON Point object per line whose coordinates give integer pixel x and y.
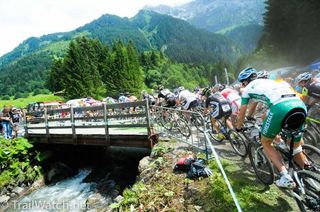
{"type": "Point", "coordinates": [6, 97]}
{"type": "Point", "coordinates": [38, 91]}
{"type": "Point", "coordinates": [20, 95]}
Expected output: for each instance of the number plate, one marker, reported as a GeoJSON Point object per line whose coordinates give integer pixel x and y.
{"type": "Point", "coordinates": [225, 108]}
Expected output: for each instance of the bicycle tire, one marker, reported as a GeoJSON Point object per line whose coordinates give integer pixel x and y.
{"type": "Point", "coordinates": [166, 122]}
{"type": "Point", "coordinates": [311, 184]}
{"type": "Point", "coordinates": [261, 164]}
{"type": "Point", "coordinates": [312, 153]}
{"type": "Point", "coordinates": [214, 134]}
{"type": "Point", "coordinates": [183, 127]}
{"type": "Point", "coordinates": [238, 144]}
{"type": "Point", "coordinates": [309, 136]}
{"type": "Point", "coordinates": [197, 121]}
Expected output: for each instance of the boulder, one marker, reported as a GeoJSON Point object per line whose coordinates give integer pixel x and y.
{"type": "Point", "coordinates": [59, 171]}
{"type": "Point", "coordinates": [144, 164]}
{"type": "Point", "coordinates": [96, 201]}
{"type": "Point", "coordinates": [18, 190]}
{"type": "Point", "coordinates": [4, 199]}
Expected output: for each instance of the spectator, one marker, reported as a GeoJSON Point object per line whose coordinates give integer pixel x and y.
{"type": "Point", "coordinates": [6, 122]}
{"type": "Point", "coordinates": [15, 117]}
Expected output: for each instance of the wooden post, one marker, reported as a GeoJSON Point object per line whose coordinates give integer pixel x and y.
{"type": "Point", "coordinates": [73, 127]}
{"type": "Point", "coordinates": [148, 117]}
{"type": "Point", "coordinates": [25, 124]}
{"type": "Point", "coordinates": [46, 123]}
{"type": "Point", "coordinates": [106, 127]}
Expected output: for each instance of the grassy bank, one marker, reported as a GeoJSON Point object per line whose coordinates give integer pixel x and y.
{"type": "Point", "coordinates": [23, 102]}
{"type": "Point", "coordinates": [161, 189]}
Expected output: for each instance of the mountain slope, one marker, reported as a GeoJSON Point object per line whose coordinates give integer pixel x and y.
{"type": "Point", "coordinates": [215, 15]}
{"type": "Point", "coordinates": [222, 16]}
{"type": "Point", "coordinates": [182, 41]}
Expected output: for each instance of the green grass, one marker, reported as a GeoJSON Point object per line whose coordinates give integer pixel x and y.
{"type": "Point", "coordinates": [23, 102]}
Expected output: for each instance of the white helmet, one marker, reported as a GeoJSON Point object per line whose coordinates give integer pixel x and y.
{"type": "Point", "coordinates": [263, 74]}
{"type": "Point", "coordinates": [304, 76]}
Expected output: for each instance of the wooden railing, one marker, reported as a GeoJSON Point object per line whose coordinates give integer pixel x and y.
{"type": "Point", "coordinates": [107, 116]}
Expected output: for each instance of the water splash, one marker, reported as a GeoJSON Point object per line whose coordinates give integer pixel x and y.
{"type": "Point", "coordinates": [67, 195]}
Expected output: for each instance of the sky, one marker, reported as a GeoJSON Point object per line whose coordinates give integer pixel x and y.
{"type": "Point", "coordinates": [21, 19]}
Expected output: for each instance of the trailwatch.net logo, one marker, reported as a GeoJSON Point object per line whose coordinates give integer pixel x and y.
{"type": "Point", "coordinates": [44, 205]}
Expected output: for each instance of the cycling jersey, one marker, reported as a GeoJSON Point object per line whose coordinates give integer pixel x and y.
{"type": "Point", "coordinates": [164, 93]}
{"type": "Point", "coordinates": [268, 92]}
{"type": "Point", "coordinates": [280, 98]}
{"type": "Point", "coordinates": [312, 90]}
{"type": "Point", "coordinates": [188, 99]}
{"type": "Point", "coordinates": [220, 106]}
{"type": "Point", "coordinates": [168, 96]}
{"type": "Point", "coordinates": [233, 99]}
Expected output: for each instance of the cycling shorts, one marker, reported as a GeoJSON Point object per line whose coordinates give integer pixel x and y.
{"type": "Point", "coordinates": [272, 123]}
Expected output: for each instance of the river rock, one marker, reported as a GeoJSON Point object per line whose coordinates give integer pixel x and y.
{"type": "Point", "coordinates": [119, 198]}
{"type": "Point", "coordinates": [97, 201]}
{"type": "Point", "coordinates": [59, 171]}
{"type": "Point", "coordinates": [144, 164]}
{"type": "Point", "coordinates": [18, 190]}
{"type": "Point", "coordinates": [4, 199]}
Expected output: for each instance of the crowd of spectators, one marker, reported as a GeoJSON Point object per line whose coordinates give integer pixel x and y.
{"type": "Point", "coordinates": [10, 118]}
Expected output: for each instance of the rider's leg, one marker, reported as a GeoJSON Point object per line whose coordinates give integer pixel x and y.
{"type": "Point", "coordinates": [272, 153]}
{"type": "Point", "coordinates": [229, 123]}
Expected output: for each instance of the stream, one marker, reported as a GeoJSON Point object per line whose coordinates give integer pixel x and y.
{"type": "Point", "coordinates": [67, 195]}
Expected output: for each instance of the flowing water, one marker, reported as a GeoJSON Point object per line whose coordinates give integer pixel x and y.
{"type": "Point", "coordinates": [67, 195]}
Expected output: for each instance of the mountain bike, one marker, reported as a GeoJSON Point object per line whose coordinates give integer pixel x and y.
{"type": "Point", "coordinates": [307, 190]}
{"type": "Point", "coordinates": [312, 135]}
{"type": "Point", "coordinates": [171, 121]}
{"type": "Point", "coordinates": [237, 142]}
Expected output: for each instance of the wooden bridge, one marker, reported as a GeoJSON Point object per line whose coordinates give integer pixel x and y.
{"type": "Point", "coordinates": [123, 124]}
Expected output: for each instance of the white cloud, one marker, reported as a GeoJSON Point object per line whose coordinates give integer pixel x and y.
{"type": "Point", "coordinates": [20, 19]}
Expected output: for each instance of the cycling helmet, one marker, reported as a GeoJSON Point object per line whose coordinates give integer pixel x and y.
{"type": "Point", "coordinates": [247, 74]}
{"type": "Point", "coordinates": [263, 74]}
{"type": "Point", "coordinates": [181, 88]}
{"type": "Point", "coordinates": [161, 87]}
{"type": "Point", "coordinates": [221, 87]}
{"type": "Point", "coordinates": [206, 92]}
{"type": "Point", "coordinates": [303, 77]}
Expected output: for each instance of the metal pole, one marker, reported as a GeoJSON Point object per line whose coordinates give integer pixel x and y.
{"type": "Point", "coordinates": [46, 123]}
{"type": "Point", "coordinates": [227, 76]}
{"type": "Point", "coordinates": [25, 124]}
{"type": "Point", "coordinates": [216, 79]}
{"type": "Point", "coordinates": [106, 128]}
{"type": "Point", "coordinates": [73, 127]}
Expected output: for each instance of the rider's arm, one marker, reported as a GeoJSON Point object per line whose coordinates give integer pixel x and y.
{"type": "Point", "coordinates": [241, 116]}
{"type": "Point", "coordinates": [252, 108]}
{"type": "Point", "coordinates": [243, 109]}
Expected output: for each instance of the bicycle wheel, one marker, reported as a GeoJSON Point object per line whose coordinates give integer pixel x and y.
{"type": "Point", "coordinates": [197, 121]}
{"type": "Point", "coordinates": [310, 136]}
{"type": "Point", "coordinates": [313, 155]}
{"type": "Point", "coordinates": [311, 184]}
{"type": "Point", "coordinates": [165, 121]}
{"type": "Point", "coordinates": [183, 128]}
{"type": "Point", "coordinates": [238, 143]}
{"type": "Point", "coordinates": [261, 164]}
{"type": "Point", "coordinates": [214, 134]}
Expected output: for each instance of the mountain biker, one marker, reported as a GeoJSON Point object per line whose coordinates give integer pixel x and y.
{"type": "Point", "coordinates": [310, 88]}
{"type": "Point", "coordinates": [165, 98]}
{"type": "Point", "coordinates": [233, 99]}
{"type": "Point", "coordinates": [282, 102]}
{"type": "Point", "coordinates": [185, 98]}
{"type": "Point", "coordinates": [219, 108]}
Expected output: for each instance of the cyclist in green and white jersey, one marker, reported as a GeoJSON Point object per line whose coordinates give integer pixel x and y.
{"type": "Point", "coordinates": [283, 104]}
